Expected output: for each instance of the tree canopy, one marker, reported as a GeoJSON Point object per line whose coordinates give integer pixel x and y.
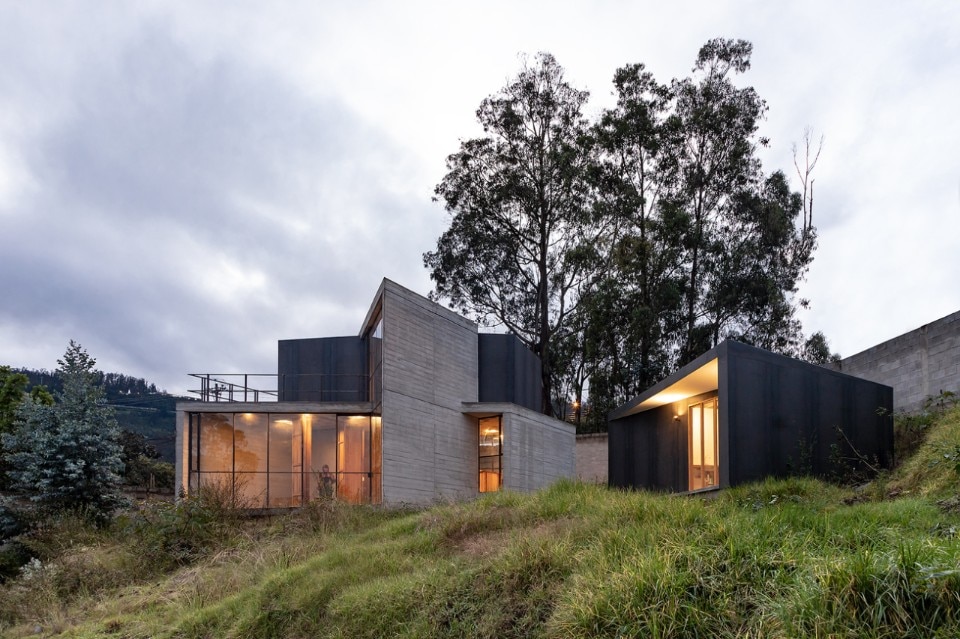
{"type": "Point", "coordinates": [622, 248]}
{"type": "Point", "coordinates": [522, 238]}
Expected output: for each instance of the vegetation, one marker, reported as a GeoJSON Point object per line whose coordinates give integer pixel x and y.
{"type": "Point", "coordinates": [140, 407]}
{"type": "Point", "coordinates": [785, 558]}
{"type": "Point", "coordinates": [67, 456]}
{"type": "Point", "coordinates": [522, 240]}
{"type": "Point", "coordinates": [621, 249]}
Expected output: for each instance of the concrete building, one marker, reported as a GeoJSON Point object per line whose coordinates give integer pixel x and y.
{"type": "Point", "coordinates": [417, 407]}
{"type": "Point", "coordinates": [738, 414]}
{"type": "Point", "coordinates": [919, 364]}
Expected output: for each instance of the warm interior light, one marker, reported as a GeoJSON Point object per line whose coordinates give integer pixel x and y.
{"type": "Point", "coordinates": [697, 382]}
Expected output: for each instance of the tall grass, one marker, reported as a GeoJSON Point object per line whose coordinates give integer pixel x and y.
{"type": "Point", "coordinates": [790, 558]}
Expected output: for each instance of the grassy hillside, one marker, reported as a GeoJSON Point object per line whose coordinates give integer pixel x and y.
{"type": "Point", "coordinates": [795, 558]}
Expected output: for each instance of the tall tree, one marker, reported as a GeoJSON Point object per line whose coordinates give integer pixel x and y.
{"type": "Point", "coordinates": [631, 313]}
{"type": "Point", "coordinates": [67, 456]}
{"type": "Point", "coordinates": [716, 160]}
{"type": "Point", "coordinates": [522, 239]}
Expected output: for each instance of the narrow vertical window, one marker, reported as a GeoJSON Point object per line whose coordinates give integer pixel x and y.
{"type": "Point", "coordinates": [491, 454]}
{"type": "Point", "coordinates": [375, 362]}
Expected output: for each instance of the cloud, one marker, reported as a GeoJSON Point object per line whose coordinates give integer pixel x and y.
{"type": "Point", "coordinates": [190, 213]}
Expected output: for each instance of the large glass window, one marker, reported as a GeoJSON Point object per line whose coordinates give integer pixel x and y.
{"type": "Point", "coordinates": [353, 459]}
{"type": "Point", "coordinates": [323, 457]}
{"type": "Point", "coordinates": [491, 454]}
{"type": "Point", "coordinates": [250, 459]}
{"type": "Point", "coordinates": [261, 460]}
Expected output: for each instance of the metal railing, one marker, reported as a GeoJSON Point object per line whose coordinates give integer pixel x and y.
{"type": "Point", "coordinates": [273, 387]}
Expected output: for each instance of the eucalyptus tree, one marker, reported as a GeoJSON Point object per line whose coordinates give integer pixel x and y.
{"type": "Point", "coordinates": [743, 250]}
{"type": "Point", "coordinates": [631, 326]}
{"type": "Point", "coordinates": [523, 240]}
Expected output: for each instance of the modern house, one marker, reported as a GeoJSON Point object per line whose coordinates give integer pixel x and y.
{"type": "Point", "coordinates": [418, 406]}
{"type": "Point", "coordinates": [738, 414]}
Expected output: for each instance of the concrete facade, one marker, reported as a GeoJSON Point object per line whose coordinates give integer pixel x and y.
{"type": "Point", "coordinates": [917, 364]}
{"type": "Point", "coordinates": [537, 450]}
{"type": "Point", "coordinates": [592, 457]}
{"type": "Point", "coordinates": [427, 396]}
{"type": "Point", "coordinates": [429, 370]}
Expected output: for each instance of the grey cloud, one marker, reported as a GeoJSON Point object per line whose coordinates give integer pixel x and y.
{"type": "Point", "coordinates": [173, 177]}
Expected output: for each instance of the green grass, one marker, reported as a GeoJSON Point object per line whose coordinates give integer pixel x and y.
{"type": "Point", "coordinates": [789, 558]}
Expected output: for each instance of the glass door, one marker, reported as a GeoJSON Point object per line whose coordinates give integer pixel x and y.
{"type": "Point", "coordinates": [703, 458]}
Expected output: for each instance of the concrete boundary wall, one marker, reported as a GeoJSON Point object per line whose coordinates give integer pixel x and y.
{"type": "Point", "coordinates": [917, 364]}
{"type": "Point", "coordinates": [592, 457]}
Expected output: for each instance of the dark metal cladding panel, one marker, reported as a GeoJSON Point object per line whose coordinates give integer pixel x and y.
{"type": "Point", "coordinates": [778, 416]}
{"type": "Point", "coordinates": [508, 371]}
{"type": "Point", "coordinates": [784, 415]}
{"type": "Point", "coordinates": [323, 369]}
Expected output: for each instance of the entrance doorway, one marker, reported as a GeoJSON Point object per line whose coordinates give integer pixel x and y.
{"type": "Point", "coordinates": [703, 460]}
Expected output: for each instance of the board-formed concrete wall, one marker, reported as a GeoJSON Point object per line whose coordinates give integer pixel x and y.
{"type": "Point", "coordinates": [429, 369]}
{"type": "Point", "coordinates": [538, 450]}
{"type": "Point", "coordinates": [917, 364]}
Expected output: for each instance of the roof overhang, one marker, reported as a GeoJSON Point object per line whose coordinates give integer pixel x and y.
{"type": "Point", "coordinates": [699, 376]}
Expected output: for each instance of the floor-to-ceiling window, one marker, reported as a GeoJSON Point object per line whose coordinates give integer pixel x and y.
{"type": "Point", "coordinates": [703, 458]}
{"type": "Point", "coordinates": [279, 460]}
{"type": "Point", "coordinates": [491, 453]}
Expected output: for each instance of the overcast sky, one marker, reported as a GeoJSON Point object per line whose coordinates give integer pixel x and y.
{"type": "Point", "coordinates": [183, 184]}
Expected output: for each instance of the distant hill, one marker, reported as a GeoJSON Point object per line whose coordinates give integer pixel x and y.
{"type": "Point", "coordinates": [140, 407]}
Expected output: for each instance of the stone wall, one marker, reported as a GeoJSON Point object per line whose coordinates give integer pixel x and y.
{"type": "Point", "coordinates": [592, 460]}
{"type": "Point", "coordinates": [917, 364]}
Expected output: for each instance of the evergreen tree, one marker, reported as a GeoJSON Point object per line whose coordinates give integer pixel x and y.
{"type": "Point", "coordinates": [67, 456]}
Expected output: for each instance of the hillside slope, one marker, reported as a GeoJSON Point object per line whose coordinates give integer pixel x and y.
{"type": "Point", "coordinates": [794, 558]}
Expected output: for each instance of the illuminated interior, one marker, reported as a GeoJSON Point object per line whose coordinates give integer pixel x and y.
{"type": "Point", "coordinates": [275, 460]}
{"type": "Point", "coordinates": [703, 458]}
{"type": "Point", "coordinates": [491, 453]}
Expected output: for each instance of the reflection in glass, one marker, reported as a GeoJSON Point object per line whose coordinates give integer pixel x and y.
{"type": "Point", "coordinates": [353, 458]}
{"type": "Point", "coordinates": [250, 458]}
{"type": "Point", "coordinates": [262, 460]}
{"type": "Point", "coordinates": [376, 459]}
{"type": "Point", "coordinates": [216, 443]}
{"type": "Point", "coordinates": [286, 451]}
{"type": "Point", "coordinates": [375, 361]}
{"type": "Point", "coordinates": [322, 449]}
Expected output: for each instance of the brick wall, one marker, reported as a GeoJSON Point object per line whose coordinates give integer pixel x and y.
{"type": "Point", "coordinates": [917, 364]}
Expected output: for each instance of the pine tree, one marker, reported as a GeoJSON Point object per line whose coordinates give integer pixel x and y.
{"type": "Point", "coordinates": [68, 456]}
